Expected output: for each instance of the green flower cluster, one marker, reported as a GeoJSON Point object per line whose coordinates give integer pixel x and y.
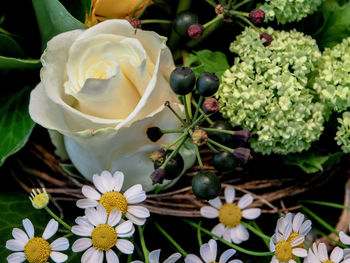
{"type": "Point", "coordinates": [343, 134]}
{"type": "Point", "coordinates": [286, 11]}
{"type": "Point", "coordinates": [266, 91]}
{"type": "Point", "coordinates": [333, 78]}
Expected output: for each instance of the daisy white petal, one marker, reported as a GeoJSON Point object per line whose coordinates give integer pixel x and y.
{"type": "Point", "coordinates": [234, 237]}
{"type": "Point", "coordinates": [245, 201]}
{"type": "Point", "coordinates": [305, 228]}
{"type": "Point", "coordinates": [192, 259]}
{"type": "Point", "coordinates": [154, 256]}
{"type": "Point", "coordinates": [102, 214]}
{"type": "Point", "coordinates": [138, 211]}
{"type": "Point", "coordinates": [322, 252]}
{"type": "Point", "coordinates": [136, 220]}
{"type": "Point", "coordinates": [17, 257]}
{"type": "Point", "coordinates": [60, 244]}
{"type": "Point", "coordinates": [83, 220]}
{"type": "Point", "coordinates": [15, 245]}
{"type": "Point", "coordinates": [235, 261]}
{"type": "Point", "coordinates": [111, 257]}
{"type": "Point", "coordinates": [90, 193]}
{"type": "Point", "coordinates": [272, 246]}
{"type": "Point", "coordinates": [125, 227]}
{"type": "Point", "coordinates": [84, 231]}
{"type": "Point", "coordinates": [88, 255]}
{"type": "Point", "coordinates": [135, 194]}
{"type": "Point", "coordinates": [287, 231]}
{"type": "Point", "coordinates": [337, 255]}
{"type": "Point", "coordinates": [292, 261]}
{"type": "Point", "coordinates": [209, 212]}
{"type": "Point", "coordinates": [229, 194]}
{"type": "Point", "coordinates": [97, 257]}
{"type": "Point", "coordinates": [299, 252]}
{"type": "Point", "coordinates": [241, 232]}
{"type": "Point", "coordinates": [58, 256]}
{"type": "Point", "coordinates": [297, 221]}
{"type": "Point", "coordinates": [297, 241]}
{"type": "Point", "coordinates": [107, 181]}
{"type": "Point", "coordinates": [50, 229]}
{"type": "Point", "coordinates": [125, 246]}
{"type": "Point", "coordinates": [226, 255]}
{"type": "Point", "coordinates": [114, 217]}
{"type": "Point", "coordinates": [98, 182]}
{"type": "Point", "coordinates": [29, 228]}
{"type": "Point", "coordinates": [96, 217]}
{"type": "Point", "coordinates": [20, 235]}
{"type": "Point", "coordinates": [81, 244]}
{"type": "Point", "coordinates": [344, 238]}
{"type": "Point", "coordinates": [216, 202]}
{"type": "Point", "coordinates": [218, 230]}
{"type": "Point", "coordinates": [205, 253]}
{"type": "Point", "coordinates": [227, 235]}
{"type": "Point", "coordinates": [86, 203]}
{"type": "Point", "coordinates": [311, 258]}
{"type": "Point", "coordinates": [251, 213]}
{"type": "Point", "coordinates": [274, 260]}
{"type": "Point", "coordinates": [346, 260]}
{"type": "Point", "coordinates": [118, 178]}
{"type": "Point", "coordinates": [213, 249]}
{"type": "Point", "coordinates": [173, 258]}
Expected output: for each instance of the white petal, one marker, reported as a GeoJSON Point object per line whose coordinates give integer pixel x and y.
{"type": "Point", "coordinates": [235, 261]}
{"type": "Point", "coordinates": [226, 255]}
{"type": "Point", "coordinates": [305, 228]}
{"type": "Point", "coordinates": [88, 254]}
{"type": "Point", "coordinates": [118, 181]}
{"type": "Point", "coordinates": [20, 235]}
{"type": "Point", "coordinates": [230, 194]}
{"type": "Point", "coordinates": [28, 226]}
{"type": "Point", "coordinates": [272, 245]}
{"type": "Point", "coordinates": [108, 181]}
{"type": "Point", "coordinates": [84, 231]}
{"type": "Point", "coordinates": [17, 257]}
{"type": "Point", "coordinates": [336, 255]}
{"type": "Point", "coordinates": [125, 246]}
{"type": "Point", "coordinates": [241, 232]}
{"type": "Point", "coordinates": [322, 252]}
{"type": "Point", "coordinates": [97, 179]}
{"type": "Point", "coordinates": [154, 256]}
{"type": "Point", "coordinates": [287, 231]}
{"type": "Point", "coordinates": [292, 261]}
{"type": "Point", "coordinates": [344, 238]}
{"type": "Point", "coordinates": [251, 213]}
{"type": "Point", "coordinates": [245, 201]}
{"type": "Point", "coordinates": [114, 217]}
{"type": "Point", "coordinates": [209, 212]}
{"type": "Point", "coordinates": [81, 244]}
{"type": "Point", "coordinates": [125, 227]}
{"type": "Point", "coordinates": [58, 257]}
{"type": "Point", "coordinates": [135, 194]}
{"type": "Point", "coordinates": [60, 244]}
{"type": "Point", "coordinates": [50, 229]}
{"type": "Point", "coordinates": [205, 253]}
{"type": "Point", "coordinates": [97, 257]}
{"type": "Point", "coordinates": [218, 230]}
{"type": "Point", "coordinates": [227, 234]}
{"type": "Point", "coordinates": [90, 193]}
{"type": "Point", "coordinates": [84, 221]}
{"type": "Point", "coordinates": [136, 220]}
{"type": "Point", "coordinates": [297, 221]}
{"type": "Point", "coordinates": [235, 238]}
{"type": "Point", "coordinates": [311, 258]}
{"type": "Point", "coordinates": [299, 252]}
{"type": "Point", "coordinates": [274, 260]}
{"type": "Point", "coordinates": [192, 259]}
{"type": "Point", "coordinates": [138, 211]}
{"type": "Point", "coordinates": [173, 258]}
{"type": "Point", "coordinates": [15, 245]}
{"type": "Point", "coordinates": [86, 203]}
{"type": "Point", "coordinates": [297, 241]}
{"type": "Point", "coordinates": [216, 202]}
{"type": "Point", "coordinates": [111, 257]}
{"type": "Point", "coordinates": [213, 249]}
{"type": "Point", "coordinates": [96, 216]}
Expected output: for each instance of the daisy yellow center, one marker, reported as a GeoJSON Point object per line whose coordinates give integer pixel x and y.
{"type": "Point", "coordinates": [294, 236]}
{"type": "Point", "coordinates": [328, 261]}
{"type": "Point", "coordinates": [284, 251]}
{"type": "Point", "coordinates": [37, 250]}
{"type": "Point", "coordinates": [41, 200]}
{"type": "Point", "coordinates": [104, 237]}
{"type": "Point", "coordinates": [230, 215]}
{"type": "Point", "coordinates": [114, 200]}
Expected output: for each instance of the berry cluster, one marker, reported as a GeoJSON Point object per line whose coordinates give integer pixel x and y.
{"type": "Point", "coordinates": [219, 137]}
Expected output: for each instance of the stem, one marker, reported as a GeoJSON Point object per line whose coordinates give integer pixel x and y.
{"type": "Point", "coordinates": [173, 153]}
{"type": "Point", "coordinates": [137, 7]}
{"type": "Point", "coordinates": [326, 204]}
{"type": "Point", "coordinates": [221, 146]}
{"type": "Point", "coordinates": [156, 21]}
{"type": "Point", "coordinates": [183, 5]}
{"type": "Point", "coordinates": [198, 156]}
{"type": "Point", "coordinates": [143, 244]}
{"type": "Point", "coordinates": [172, 131]}
{"type": "Point", "coordinates": [239, 13]}
{"type": "Point", "coordinates": [247, 21]}
{"type": "Point", "coordinates": [130, 255]}
{"type": "Point", "coordinates": [200, 118]}
{"type": "Point", "coordinates": [211, 147]}
{"type": "Point", "coordinates": [143, 9]}
{"type": "Point", "coordinates": [175, 142]}
{"type": "Point", "coordinates": [241, 3]}
{"type": "Point", "coordinates": [200, 101]}
{"type": "Point", "coordinates": [267, 242]}
{"type": "Point", "coordinates": [255, 231]}
{"type": "Point", "coordinates": [64, 224]}
{"type": "Point", "coordinates": [172, 241]}
{"type": "Point", "coordinates": [199, 235]}
{"type": "Point", "coordinates": [210, 2]}
{"type": "Point", "coordinates": [245, 251]}
{"type": "Point", "coordinates": [167, 104]}
{"type": "Point", "coordinates": [68, 235]}
{"type": "Point", "coordinates": [218, 130]}
{"type": "Point", "coordinates": [317, 231]}
{"type": "Point", "coordinates": [229, 5]}
{"type": "Point", "coordinates": [201, 111]}
{"type": "Point", "coordinates": [183, 98]}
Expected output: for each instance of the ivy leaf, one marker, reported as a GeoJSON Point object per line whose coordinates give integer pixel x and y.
{"type": "Point", "coordinates": [15, 123]}
{"type": "Point", "coordinates": [336, 23]}
{"type": "Point", "coordinates": [208, 61]}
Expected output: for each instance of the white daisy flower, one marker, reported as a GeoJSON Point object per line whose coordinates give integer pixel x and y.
{"type": "Point", "coordinates": [208, 253]}
{"type": "Point", "coordinates": [319, 254]}
{"type": "Point", "coordinates": [36, 249]}
{"type": "Point", "coordinates": [286, 247]}
{"type": "Point", "coordinates": [300, 226]}
{"type": "Point", "coordinates": [230, 215]}
{"type": "Point", "coordinates": [109, 196]}
{"type": "Point", "coordinates": [345, 239]}
{"type": "Point", "coordinates": [154, 257]}
{"type": "Point", "coordinates": [100, 235]}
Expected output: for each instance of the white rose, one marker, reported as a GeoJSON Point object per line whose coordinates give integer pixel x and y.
{"type": "Point", "coordinates": [100, 89]}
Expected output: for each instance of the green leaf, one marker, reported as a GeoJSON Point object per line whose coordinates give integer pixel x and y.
{"type": "Point", "coordinates": [9, 47]}
{"type": "Point", "coordinates": [311, 162]}
{"type": "Point", "coordinates": [53, 19]}
{"type": "Point", "coordinates": [336, 23]}
{"type": "Point", "coordinates": [7, 63]}
{"type": "Point", "coordinates": [15, 123]}
{"type": "Point", "coordinates": [206, 60]}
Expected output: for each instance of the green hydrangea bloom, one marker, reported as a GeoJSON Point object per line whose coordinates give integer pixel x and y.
{"type": "Point", "coordinates": [333, 79]}
{"type": "Point", "coordinates": [266, 91]}
{"type": "Point", "coordinates": [343, 134]}
{"type": "Point", "coordinates": [286, 11]}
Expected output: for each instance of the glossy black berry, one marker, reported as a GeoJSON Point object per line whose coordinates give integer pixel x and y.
{"type": "Point", "coordinates": [220, 137]}
{"type": "Point", "coordinates": [224, 161]}
{"type": "Point", "coordinates": [174, 167]}
{"type": "Point", "coordinates": [206, 185]}
{"type": "Point", "coordinates": [183, 21]}
{"type": "Point", "coordinates": [182, 80]}
{"type": "Point", "coordinates": [207, 84]}
{"type": "Point", "coordinates": [154, 133]}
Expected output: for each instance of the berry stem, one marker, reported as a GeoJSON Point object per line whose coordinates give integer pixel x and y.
{"type": "Point", "coordinates": [241, 3]}
{"type": "Point", "coordinates": [183, 98]}
{"type": "Point", "coordinates": [137, 7]}
{"type": "Point", "coordinates": [198, 157]}
{"type": "Point", "coordinates": [172, 241]}
{"type": "Point", "coordinates": [199, 234]}
{"type": "Point", "coordinates": [221, 145]}
{"type": "Point", "coordinates": [218, 130]}
{"type": "Point", "coordinates": [229, 4]}
{"type": "Point", "coordinates": [239, 13]}
{"type": "Point", "coordinates": [143, 244]}
{"type": "Point", "coordinates": [172, 131]}
{"type": "Point", "coordinates": [64, 224]}
{"type": "Point", "coordinates": [200, 101]}
{"type": "Point", "coordinates": [200, 118]}
{"type": "Point", "coordinates": [210, 2]}
{"type": "Point", "coordinates": [175, 142]}
{"type": "Point", "coordinates": [248, 22]}
{"type": "Point", "coordinates": [212, 148]}
{"type": "Point", "coordinates": [167, 104]}
{"type": "Point", "coordinates": [156, 21]}
{"type": "Point", "coordinates": [173, 153]}
{"type": "Point", "coordinates": [143, 9]}
{"type": "Point", "coordinates": [201, 111]}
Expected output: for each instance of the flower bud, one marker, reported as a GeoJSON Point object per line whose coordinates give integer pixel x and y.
{"type": "Point", "coordinates": [242, 135]}
{"type": "Point", "coordinates": [136, 23]}
{"type": "Point", "coordinates": [39, 199]}
{"type": "Point", "coordinates": [219, 9]}
{"type": "Point", "coordinates": [154, 133]}
{"type": "Point", "coordinates": [210, 105]}
{"type": "Point", "coordinates": [195, 31]}
{"type": "Point", "coordinates": [158, 176]}
{"type": "Point", "coordinates": [257, 16]}
{"type": "Point", "coordinates": [242, 154]}
{"type": "Point", "coordinates": [267, 37]}
{"type": "Point", "coordinates": [199, 137]}
{"type": "Point", "coordinates": [158, 156]}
